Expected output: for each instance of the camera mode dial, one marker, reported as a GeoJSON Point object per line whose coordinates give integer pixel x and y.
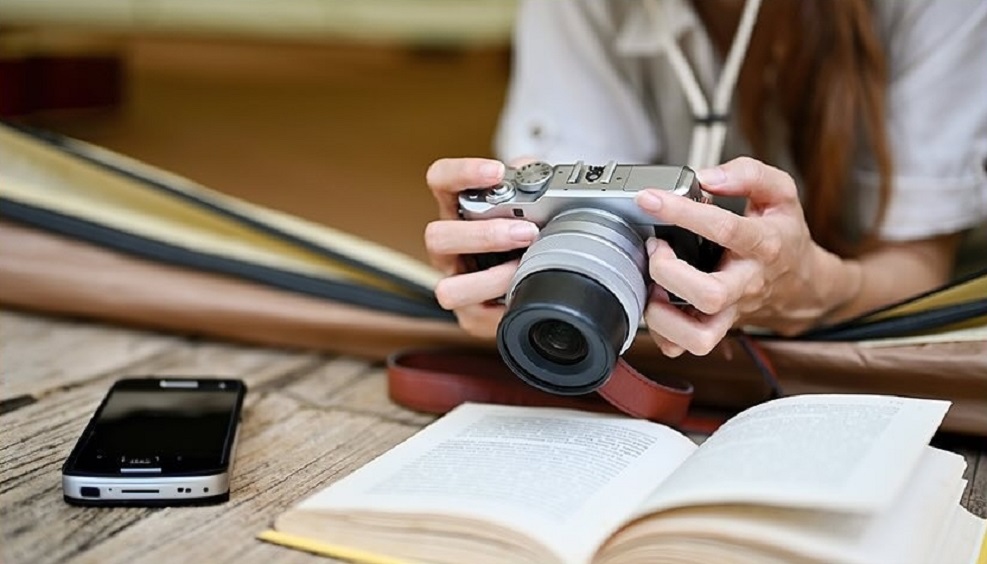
{"type": "Point", "coordinates": [533, 176]}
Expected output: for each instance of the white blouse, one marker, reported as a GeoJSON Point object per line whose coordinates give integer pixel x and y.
{"type": "Point", "coordinates": [590, 82]}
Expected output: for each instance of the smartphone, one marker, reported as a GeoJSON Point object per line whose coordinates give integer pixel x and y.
{"type": "Point", "coordinates": [157, 441]}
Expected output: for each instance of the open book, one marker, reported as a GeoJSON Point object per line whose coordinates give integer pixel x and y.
{"type": "Point", "coordinates": [87, 193]}
{"type": "Point", "coordinates": [819, 478]}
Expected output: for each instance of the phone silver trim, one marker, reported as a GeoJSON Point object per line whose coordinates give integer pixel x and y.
{"type": "Point", "coordinates": [181, 488]}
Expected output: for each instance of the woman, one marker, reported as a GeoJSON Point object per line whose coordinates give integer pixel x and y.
{"type": "Point", "coordinates": [873, 117]}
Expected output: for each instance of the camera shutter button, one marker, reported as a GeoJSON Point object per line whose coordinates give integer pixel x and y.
{"type": "Point", "coordinates": [501, 193]}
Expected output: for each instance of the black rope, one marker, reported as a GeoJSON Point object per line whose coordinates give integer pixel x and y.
{"type": "Point", "coordinates": [763, 364]}
{"type": "Point", "coordinates": [710, 119]}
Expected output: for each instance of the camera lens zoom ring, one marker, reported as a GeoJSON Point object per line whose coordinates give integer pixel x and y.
{"type": "Point", "coordinates": [595, 258]}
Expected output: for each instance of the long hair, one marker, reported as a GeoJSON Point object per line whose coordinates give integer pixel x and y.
{"type": "Point", "coordinates": [820, 65]}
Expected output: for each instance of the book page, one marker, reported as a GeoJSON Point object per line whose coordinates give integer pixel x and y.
{"type": "Point", "coordinates": [564, 477]}
{"type": "Point", "coordinates": [835, 452]}
{"type": "Point", "coordinates": [906, 531]}
{"type": "Point", "coordinates": [965, 541]}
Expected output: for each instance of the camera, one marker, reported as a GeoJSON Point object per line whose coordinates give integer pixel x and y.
{"type": "Point", "coordinates": [579, 293]}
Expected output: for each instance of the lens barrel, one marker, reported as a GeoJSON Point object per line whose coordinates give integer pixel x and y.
{"type": "Point", "coordinates": [575, 302]}
{"type": "Point", "coordinates": [562, 333]}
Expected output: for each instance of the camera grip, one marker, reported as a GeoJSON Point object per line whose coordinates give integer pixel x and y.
{"type": "Point", "coordinates": [483, 261]}
{"type": "Point", "coordinates": [698, 251]}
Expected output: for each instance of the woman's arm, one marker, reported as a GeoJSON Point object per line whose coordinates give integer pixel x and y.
{"type": "Point", "coordinates": [889, 273]}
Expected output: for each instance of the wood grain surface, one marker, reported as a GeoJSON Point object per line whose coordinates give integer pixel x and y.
{"type": "Point", "coordinates": [309, 419]}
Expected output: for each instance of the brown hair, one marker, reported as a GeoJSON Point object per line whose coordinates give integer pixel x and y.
{"type": "Point", "coordinates": [821, 66]}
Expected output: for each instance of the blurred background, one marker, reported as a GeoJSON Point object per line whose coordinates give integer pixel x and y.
{"type": "Point", "coordinates": [331, 110]}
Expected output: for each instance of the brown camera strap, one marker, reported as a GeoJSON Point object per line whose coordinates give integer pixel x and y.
{"type": "Point", "coordinates": [639, 396]}
{"type": "Point", "coordinates": [435, 381]}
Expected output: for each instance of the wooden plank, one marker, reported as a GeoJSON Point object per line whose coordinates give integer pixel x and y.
{"type": "Point", "coordinates": [315, 447]}
{"type": "Point", "coordinates": [970, 496]}
{"type": "Point", "coordinates": [57, 420]}
{"type": "Point", "coordinates": [975, 496]}
{"type": "Point", "coordinates": [308, 421]}
{"type": "Point", "coordinates": [38, 437]}
{"type": "Point", "coordinates": [974, 452]}
{"type": "Point", "coordinates": [39, 353]}
{"type": "Point", "coordinates": [354, 386]}
{"type": "Point", "coordinates": [37, 440]}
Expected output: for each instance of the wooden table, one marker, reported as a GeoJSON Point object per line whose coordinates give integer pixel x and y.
{"type": "Point", "coordinates": [309, 419]}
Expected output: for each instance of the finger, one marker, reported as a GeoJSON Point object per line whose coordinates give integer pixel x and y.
{"type": "Point", "coordinates": [447, 264]}
{"type": "Point", "coordinates": [450, 237]}
{"type": "Point", "coordinates": [762, 184]}
{"type": "Point", "coordinates": [658, 294]}
{"type": "Point", "coordinates": [447, 177]}
{"type": "Point", "coordinates": [455, 175]}
{"type": "Point", "coordinates": [722, 226]}
{"type": "Point", "coordinates": [668, 348]}
{"type": "Point", "coordinates": [475, 287]}
{"type": "Point", "coordinates": [708, 292]}
{"type": "Point", "coordinates": [480, 320]}
{"type": "Point", "coordinates": [699, 333]}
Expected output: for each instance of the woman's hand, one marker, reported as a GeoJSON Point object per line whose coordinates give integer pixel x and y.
{"type": "Point", "coordinates": [772, 273]}
{"type": "Point", "coordinates": [468, 294]}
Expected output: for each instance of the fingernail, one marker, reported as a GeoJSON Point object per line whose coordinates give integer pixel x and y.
{"type": "Point", "coordinates": [649, 200]}
{"type": "Point", "coordinates": [492, 170]}
{"type": "Point", "coordinates": [524, 232]}
{"type": "Point", "coordinates": [652, 245]}
{"type": "Point", "coordinates": [711, 176]}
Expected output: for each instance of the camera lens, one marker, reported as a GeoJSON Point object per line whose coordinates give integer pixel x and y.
{"type": "Point", "coordinates": [558, 341]}
{"type": "Point", "coordinates": [562, 332]}
{"type": "Point", "coordinates": [574, 303]}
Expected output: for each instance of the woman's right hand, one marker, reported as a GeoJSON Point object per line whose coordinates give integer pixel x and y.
{"type": "Point", "coordinates": [469, 294]}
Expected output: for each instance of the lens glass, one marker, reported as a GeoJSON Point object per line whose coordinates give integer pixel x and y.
{"type": "Point", "coordinates": [558, 341]}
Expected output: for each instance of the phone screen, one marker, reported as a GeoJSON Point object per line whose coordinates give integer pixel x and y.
{"type": "Point", "coordinates": [172, 426]}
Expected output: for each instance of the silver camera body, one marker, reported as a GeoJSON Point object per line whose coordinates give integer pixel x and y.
{"type": "Point", "coordinates": [580, 290]}
{"type": "Point", "coordinates": [538, 192]}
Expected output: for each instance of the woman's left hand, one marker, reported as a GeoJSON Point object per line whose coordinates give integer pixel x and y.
{"type": "Point", "coordinates": [772, 273]}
